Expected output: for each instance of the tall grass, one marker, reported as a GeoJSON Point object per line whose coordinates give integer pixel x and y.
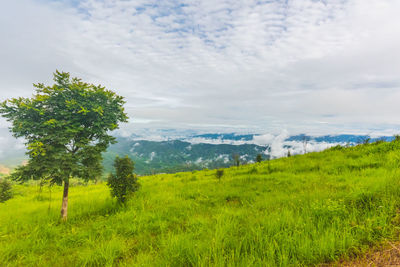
{"type": "Point", "coordinates": [301, 210]}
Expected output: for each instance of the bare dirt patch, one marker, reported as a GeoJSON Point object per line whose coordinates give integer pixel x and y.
{"type": "Point", "coordinates": [387, 254]}
{"type": "Point", "coordinates": [4, 170]}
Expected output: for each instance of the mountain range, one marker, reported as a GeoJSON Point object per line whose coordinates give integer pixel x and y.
{"type": "Point", "coordinates": [169, 151]}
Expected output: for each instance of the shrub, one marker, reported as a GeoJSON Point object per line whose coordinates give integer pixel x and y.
{"type": "Point", "coordinates": [337, 147]}
{"type": "Point", "coordinates": [219, 174]}
{"type": "Point", "coordinates": [236, 159]}
{"type": "Point", "coordinates": [124, 182]}
{"type": "Point", "coordinates": [366, 140]}
{"type": "Point", "coordinates": [253, 170]}
{"type": "Point", "coordinates": [5, 190]}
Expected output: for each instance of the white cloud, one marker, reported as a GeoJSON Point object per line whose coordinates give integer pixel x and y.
{"type": "Point", "coordinates": [199, 161]}
{"type": "Point", "coordinates": [218, 141]}
{"type": "Point", "coordinates": [277, 145]}
{"type": "Point", "coordinates": [298, 147]}
{"type": "Point", "coordinates": [264, 139]}
{"type": "Point", "coordinates": [10, 148]}
{"type": "Point", "coordinates": [209, 64]}
{"type": "Point", "coordinates": [152, 155]}
{"type": "Point", "coordinates": [224, 157]}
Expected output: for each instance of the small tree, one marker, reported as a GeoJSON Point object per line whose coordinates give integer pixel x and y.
{"type": "Point", "coordinates": [66, 127]}
{"type": "Point", "coordinates": [5, 190]}
{"type": "Point", "coordinates": [259, 158]}
{"type": "Point", "coordinates": [236, 159]}
{"type": "Point", "coordinates": [219, 173]}
{"type": "Point", "coordinates": [123, 183]}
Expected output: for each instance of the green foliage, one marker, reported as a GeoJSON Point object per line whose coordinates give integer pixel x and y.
{"type": "Point", "coordinates": [366, 140]}
{"type": "Point", "coordinates": [219, 173]}
{"type": "Point", "coordinates": [305, 210]}
{"type": "Point", "coordinates": [66, 127]}
{"type": "Point", "coordinates": [259, 158]}
{"type": "Point", "coordinates": [236, 159]}
{"type": "Point", "coordinates": [253, 170]}
{"type": "Point", "coordinates": [123, 183]}
{"type": "Point", "coordinates": [5, 190]}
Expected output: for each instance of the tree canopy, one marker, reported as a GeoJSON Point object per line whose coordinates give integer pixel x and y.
{"type": "Point", "coordinates": [66, 126]}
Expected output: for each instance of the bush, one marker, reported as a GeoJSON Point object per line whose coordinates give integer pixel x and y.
{"type": "Point", "coordinates": [253, 170]}
{"type": "Point", "coordinates": [236, 159]}
{"type": "Point", "coordinates": [124, 182]}
{"type": "Point", "coordinates": [5, 190]}
{"type": "Point", "coordinates": [219, 174]}
{"type": "Point", "coordinates": [259, 158]}
{"type": "Point", "coordinates": [337, 147]}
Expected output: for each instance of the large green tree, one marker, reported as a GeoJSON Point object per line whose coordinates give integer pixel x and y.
{"type": "Point", "coordinates": [66, 127]}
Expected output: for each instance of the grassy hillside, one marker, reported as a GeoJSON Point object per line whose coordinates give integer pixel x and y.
{"type": "Point", "coordinates": [301, 210]}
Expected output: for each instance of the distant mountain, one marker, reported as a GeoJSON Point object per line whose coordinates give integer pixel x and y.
{"type": "Point", "coordinates": [176, 155]}
{"type": "Point", "coordinates": [215, 150]}
{"type": "Point", "coordinates": [343, 138]}
{"type": "Point", "coordinates": [168, 151]}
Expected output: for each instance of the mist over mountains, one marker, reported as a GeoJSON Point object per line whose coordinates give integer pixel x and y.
{"type": "Point", "coordinates": [172, 151]}
{"type": "Point", "coordinates": [169, 150]}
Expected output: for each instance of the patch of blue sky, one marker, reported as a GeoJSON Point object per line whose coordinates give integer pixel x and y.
{"type": "Point", "coordinates": [260, 2]}
{"type": "Point", "coordinates": [140, 10]}
{"type": "Point", "coordinates": [75, 4]}
{"type": "Point", "coordinates": [163, 9]}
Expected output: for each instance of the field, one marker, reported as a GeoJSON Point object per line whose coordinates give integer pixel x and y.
{"type": "Point", "coordinates": [296, 211]}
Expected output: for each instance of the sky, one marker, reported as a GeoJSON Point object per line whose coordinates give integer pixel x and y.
{"type": "Point", "coordinates": [300, 66]}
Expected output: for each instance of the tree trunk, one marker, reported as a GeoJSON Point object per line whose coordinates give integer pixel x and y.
{"type": "Point", "coordinates": [64, 207]}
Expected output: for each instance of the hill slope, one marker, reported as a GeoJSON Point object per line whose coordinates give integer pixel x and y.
{"type": "Point", "coordinates": [301, 210]}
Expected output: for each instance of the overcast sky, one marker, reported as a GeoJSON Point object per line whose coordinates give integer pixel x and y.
{"type": "Point", "coordinates": [328, 66]}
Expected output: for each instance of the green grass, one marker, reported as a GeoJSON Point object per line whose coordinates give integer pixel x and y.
{"type": "Point", "coordinates": [301, 210]}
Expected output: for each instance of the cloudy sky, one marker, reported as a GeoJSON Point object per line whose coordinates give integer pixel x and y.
{"type": "Point", "coordinates": [311, 66]}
